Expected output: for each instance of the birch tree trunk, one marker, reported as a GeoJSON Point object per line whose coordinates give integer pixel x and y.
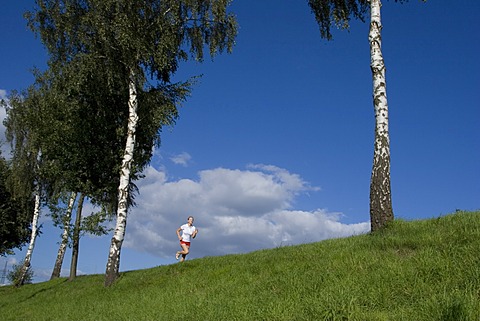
{"type": "Point", "coordinates": [381, 211]}
{"type": "Point", "coordinates": [57, 269]}
{"type": "Point", "coordinates": [76, 238]}
{"type": "Point", "coordinates": [113, 262]}
{"type": "Point", "coordinates": [31, 245]}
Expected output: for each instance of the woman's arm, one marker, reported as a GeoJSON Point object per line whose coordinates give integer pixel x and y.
{"type": "Point", "coordinates": [178, 233]}
{"type": "Point", "coordinates": [195, 233]}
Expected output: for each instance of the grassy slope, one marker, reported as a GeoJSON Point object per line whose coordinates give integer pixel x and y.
{"type": "Point", "coordinates": [421, 270]}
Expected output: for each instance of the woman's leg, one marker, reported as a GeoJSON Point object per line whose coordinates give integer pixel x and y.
{"type": "Point", "coordinates": [185, 251]}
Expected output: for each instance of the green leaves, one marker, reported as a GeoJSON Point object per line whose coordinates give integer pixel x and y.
{"type": "Point", "coordinates": [93, 45]}
{"type": "Point", "coordinates": [14, 217]}
{"type": "Point", "coordinates": [337, 13]}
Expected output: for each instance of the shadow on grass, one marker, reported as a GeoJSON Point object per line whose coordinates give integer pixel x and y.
{"type": "Point", "coordinates": [49, 286]}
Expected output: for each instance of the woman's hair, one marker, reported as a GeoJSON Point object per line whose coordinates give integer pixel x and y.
{"type": "Point", "coordinates": [189, 217]}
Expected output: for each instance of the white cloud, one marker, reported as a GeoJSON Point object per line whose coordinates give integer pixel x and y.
{"type": "Point", "coordinates": [181, 159]}
{"type": "Point", "coordinates": [236, 211]}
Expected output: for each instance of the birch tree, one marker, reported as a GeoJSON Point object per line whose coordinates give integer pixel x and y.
{"type": "Point", "coordinates": [57, 268]}
{"type": "Point", "coordinates": [136, 46]}
{"type": "Point", "coordinates": [339, 13]}
{"type": "Point", "coordinates": [26, 180]}
{"type": "Point", "coordinates": [381, 210]}
{"type": "Point", "coordinates": [205, 22]}
{"type": "Point", "coordinates": [28, 255]}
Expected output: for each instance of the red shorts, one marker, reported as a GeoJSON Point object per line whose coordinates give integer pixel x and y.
{"type": "Point", "coordinates": [186, 243]}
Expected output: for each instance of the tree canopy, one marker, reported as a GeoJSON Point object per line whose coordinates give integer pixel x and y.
{"type": "Point", "coordinates": [115, 59]}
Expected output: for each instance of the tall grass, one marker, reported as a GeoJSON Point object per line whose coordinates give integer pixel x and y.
{"type": "Point", "coordinates": [419, 270]}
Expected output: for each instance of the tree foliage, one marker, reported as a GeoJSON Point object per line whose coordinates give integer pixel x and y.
{"type": "Point", "coordinates": [15, 275]}
{"type": "Point", "coordinates": [94, 46]}
{"type": "Point", "coordinates": [15, 215]}
{"type": "Point", "coordinates": [89, 74]}
{"type": "Point", "coordinates": [337, 13]}
{"type": "Point", "coordinates": [19, 124]}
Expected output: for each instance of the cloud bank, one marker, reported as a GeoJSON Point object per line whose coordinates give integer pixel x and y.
{"type": "Point", "coordinates": [236, 211]}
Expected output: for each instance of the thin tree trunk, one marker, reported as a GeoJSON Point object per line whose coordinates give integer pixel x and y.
{"type": "Point", "coordinates": [57, 269]}
{"type": "Point", "coordinates": [113, 263]}
{"type": "Point", "coordinates": [381, 211]}
{"type": "Point", "coordinates": [76, 238]}
{"type": "Point", "coordinates": [31, 245]}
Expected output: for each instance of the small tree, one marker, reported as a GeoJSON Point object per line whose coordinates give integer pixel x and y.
{"type": "Point", "coordinates": [17, 277]}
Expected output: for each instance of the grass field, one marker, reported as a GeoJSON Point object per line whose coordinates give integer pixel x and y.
{"type": "Point", "coordinates": [418, 270]}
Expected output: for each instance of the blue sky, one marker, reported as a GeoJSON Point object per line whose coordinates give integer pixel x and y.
{"type": "Point", "coordinates": [275, 145]}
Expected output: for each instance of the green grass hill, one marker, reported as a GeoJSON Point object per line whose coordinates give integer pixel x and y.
{"type": "Point", "coordinates": [415, 270]}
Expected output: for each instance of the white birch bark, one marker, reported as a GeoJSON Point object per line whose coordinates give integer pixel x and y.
{"type": "Point", "coordinates": [380, 194]}
{"type": "Point", "coordinates": [113, 262]}
{"type": "Point", "coordinates": [33, 237]}
{"type": "Point", "coordinates": [57, 268]}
